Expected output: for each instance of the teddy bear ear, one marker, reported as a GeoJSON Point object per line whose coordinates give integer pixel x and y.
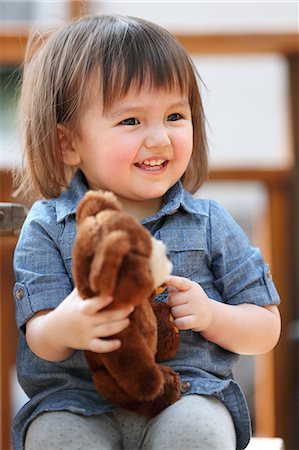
{"type": "Point", "coordinates": [95, 201]}
{"type": "Point", "coordinates": [107, 261]}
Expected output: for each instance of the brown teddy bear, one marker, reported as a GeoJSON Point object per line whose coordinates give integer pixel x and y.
{"type": "Point", "coordinates": [115, 255]}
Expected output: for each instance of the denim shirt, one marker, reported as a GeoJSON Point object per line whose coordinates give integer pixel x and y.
{"type": "Point", "coordinates": [205, 245]}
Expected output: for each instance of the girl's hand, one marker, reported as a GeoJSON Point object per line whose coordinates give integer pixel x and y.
{"type": "Point", "coordinates": [190, 306]}
{"type": "Point", "coordinates": [76, 324]}
{"type": "Point", "coordinates": [84, 324]}
{"type": "Point", "coordinates": [246, 328]}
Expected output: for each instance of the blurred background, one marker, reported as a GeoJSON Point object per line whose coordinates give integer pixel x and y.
{"type": "Point", "coordinates": [247, 54]}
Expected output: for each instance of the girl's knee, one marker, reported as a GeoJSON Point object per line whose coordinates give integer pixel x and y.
{"type": "Point", "coordinates": [65, 430]}
{"type": "Point", "coordinates": [195, 422]}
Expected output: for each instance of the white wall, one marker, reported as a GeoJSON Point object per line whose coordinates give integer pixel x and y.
{"type": "Point", "coordinates": [245, 98]}
{"type": "Point", "coordinates": [210, 16]}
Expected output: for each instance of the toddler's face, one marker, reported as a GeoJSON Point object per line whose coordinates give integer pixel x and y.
{"type": "Point", "coordinates": [140, 147]}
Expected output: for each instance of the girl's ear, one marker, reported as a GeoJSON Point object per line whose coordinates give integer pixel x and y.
{"type": "Point", "coordinates": [69, 155]}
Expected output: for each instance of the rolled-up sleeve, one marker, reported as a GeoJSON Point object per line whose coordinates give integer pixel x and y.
{"type": "Point", "coordinates": [240, 273]}
{"type": "Point", "coordinates": [42, 281]}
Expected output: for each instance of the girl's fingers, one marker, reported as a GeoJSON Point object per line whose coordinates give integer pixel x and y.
{"type": "Point", "coordinates": [180, 311]}
{"type": "Point", "coordinates": [111, 328]}
{"type": "Point", "coordinates": [104, 346]}
{"type": "Point", "coordinates": [177, 299]}
{"type": "Point", "coordinates": [100, 345]}
{"type": "Point", "coordinates": [92, 305]}
{"type": "Point", "coordinates": [117, 314]}
{"type": "Point", "coordinates": [106, 317]}
{"type": "Point", "coordinates": [178, 283]}
{"type": "Point", "coordinates": [185, 323]}
{"type": "Point", "coordinates": [95, 305]}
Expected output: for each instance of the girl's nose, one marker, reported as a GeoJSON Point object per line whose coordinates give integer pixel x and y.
{"type": "Point", "coordinates": [157, 137]}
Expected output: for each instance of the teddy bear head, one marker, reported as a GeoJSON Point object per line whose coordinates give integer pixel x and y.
{"type": "Point", "coordinates": [123, 259]}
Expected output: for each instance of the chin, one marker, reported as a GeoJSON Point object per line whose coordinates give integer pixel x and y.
{"type": "Point", "coordinates": [152, 195]}
{"type": "Point", "coordinates": [154, 192]}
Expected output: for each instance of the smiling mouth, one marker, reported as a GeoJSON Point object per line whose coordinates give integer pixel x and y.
{"type": "Point", "coordinates": [152, 165]}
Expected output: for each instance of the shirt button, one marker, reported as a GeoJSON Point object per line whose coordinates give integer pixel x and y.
{"type": "Point", "coordinates": [185, 386]}
{"type": "Point", "coordinates": [19, 294]}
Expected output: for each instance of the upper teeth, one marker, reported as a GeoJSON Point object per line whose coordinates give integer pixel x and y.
{"type": "Point", "coordinates": [154, 162]}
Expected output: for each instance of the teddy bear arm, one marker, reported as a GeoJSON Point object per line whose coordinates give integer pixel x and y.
{"type": "Point", "coordinates": [168, 334]}
{"type": "Point", "coordinates": [133, 365]}
{"type": "Point", "coordinates": [110, 389]}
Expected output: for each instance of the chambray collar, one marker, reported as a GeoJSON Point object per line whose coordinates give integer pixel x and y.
{"type": "Point", "coordinates": [177, 197]}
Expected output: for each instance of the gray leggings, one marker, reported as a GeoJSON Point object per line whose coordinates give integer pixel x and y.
{"type": "Point", "coordinates": [194, 422]}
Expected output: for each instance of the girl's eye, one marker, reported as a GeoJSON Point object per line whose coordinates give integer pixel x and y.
{"type": "Point", "coordinates": [173, 117]}
{"type": "Point", "coordinates": [129, 121]}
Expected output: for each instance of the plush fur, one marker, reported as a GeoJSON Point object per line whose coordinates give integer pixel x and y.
{"type": "Point", "coordinates": [112, 255]}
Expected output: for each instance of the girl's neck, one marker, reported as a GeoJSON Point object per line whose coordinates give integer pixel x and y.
{"type": "Point", "coordinates": [141, 209]}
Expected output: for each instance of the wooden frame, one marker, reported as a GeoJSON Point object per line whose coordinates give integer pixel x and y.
{"type": "Point", "coordinates": [275, 393]}
{"type": "Point", "coordinates": [209, 44]}
{"type": "Point", "coordinates": [274, 371]}
{"type": "Point", "coordinates": [8, 337]}
{"type": "Point", "coordinates": [13, 43]}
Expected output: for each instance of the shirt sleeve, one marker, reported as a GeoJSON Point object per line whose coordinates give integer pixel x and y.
{"type": "Point", "coordinates": [241, 275]}
{"type": "Point", "coordinates": [42, 281]}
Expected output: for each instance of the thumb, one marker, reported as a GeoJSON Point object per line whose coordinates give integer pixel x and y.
{"type": "Point", "coordinates": [178, 283]}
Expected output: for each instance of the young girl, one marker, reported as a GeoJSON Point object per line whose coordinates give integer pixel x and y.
{"type": "Point", "coordinates": [113, 103]}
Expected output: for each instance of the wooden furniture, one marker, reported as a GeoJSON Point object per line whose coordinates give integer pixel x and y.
{"type": "Point", "coordinates": [275, 382]}
{"type": "Point", "coordinates": [275, 371]}
{"type": "Point", "coordinates": [10, 222]}
{"type": "Point", "coordinates": [7, 338]}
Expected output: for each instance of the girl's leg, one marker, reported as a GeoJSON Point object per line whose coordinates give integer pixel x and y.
{"type": "Point", "coordinates": [63, 430]}
{"type": "Point", "coordinates": [132, 428]}
{"type": "Point", "coordinates": [193, 422]}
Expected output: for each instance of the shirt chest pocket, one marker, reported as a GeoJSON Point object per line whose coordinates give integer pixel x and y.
{"type": "Point", "coordinates": [187, 250]}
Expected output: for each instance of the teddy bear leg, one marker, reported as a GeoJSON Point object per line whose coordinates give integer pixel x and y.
{"type": "Point", "coordinates": [109, 389]}
{"type": "Point", "coordinates": [170, 394]}
{"type": "Point", "coordinates": [105, 384]}
{"type": "Point", "coordinates": [116, 395]}
{"type": "Point", "coordinates": [133, 365]}
{"type": "Point", "coordinates": [168, 334]}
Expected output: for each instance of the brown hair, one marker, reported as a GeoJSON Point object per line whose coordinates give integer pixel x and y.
{"type": "Point", "coordinates": [60, 75]}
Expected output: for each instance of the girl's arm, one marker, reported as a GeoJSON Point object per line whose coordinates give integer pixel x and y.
{"type": "Point", "coordinates": [76, 324]}
{"type": "Point", "coordinates": [244, 329]}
